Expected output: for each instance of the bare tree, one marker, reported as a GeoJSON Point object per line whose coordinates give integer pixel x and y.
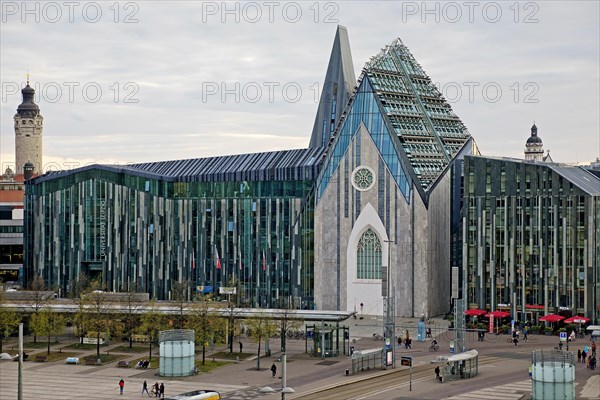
{"type": "Point", "coordinates": [131, 308]}
{"type": "Point", "coordinates": [261, 327]}
{"type": "Point", "coordinates": [180, 296]}
{"type": "Point", "coordinates": [287, 322]}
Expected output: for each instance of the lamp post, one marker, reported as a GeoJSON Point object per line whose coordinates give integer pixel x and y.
{"type": "Point", "coordinates": [284, 389]}
{"type": "Point", "coordinates": [390, 315]}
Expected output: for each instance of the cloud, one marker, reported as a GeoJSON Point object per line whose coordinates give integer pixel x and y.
{"type": "Point", "coordinates": [154, 74]}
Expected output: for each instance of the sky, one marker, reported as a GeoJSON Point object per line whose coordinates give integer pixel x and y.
{"type": "Point", "coordinates": [138, 81]}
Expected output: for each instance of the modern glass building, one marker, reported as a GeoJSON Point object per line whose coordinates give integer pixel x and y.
{"type": "Point", "coordinates": [238, 221]}
{"type": "Point", "coordinates": [362, 214]}
{"type": "Point", "coordinates": [531, 242]}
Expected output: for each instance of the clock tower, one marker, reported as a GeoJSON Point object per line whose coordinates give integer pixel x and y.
{"type": "Point", "coordinates": [28, 132]}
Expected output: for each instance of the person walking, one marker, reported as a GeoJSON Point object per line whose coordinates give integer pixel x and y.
{"type": "Point", "coordinates": [274, 370]}
{"type": "Point", "coordinates": [241, 347]}
{"type": "Point", "coordinates": [583, 355]}
{"type": "Point", "coordinates": [515, 340]}
{"type": "Point", "coordinates": [437, 373]}
{"type": "Point", "coordinates": [121, 386]}
{"type": "Point", "coordinates": [156, 389]}
{"type": "Point", "coordinates": [578, 355]}
{"type": "Point", "coordinates": [524, 333]}
{"type": "Point", "coordinates": [594, 349]}
{"type": "Point", "coordinates": [161, 390]}
{"type": "Point", "coordinates": [145, 388]}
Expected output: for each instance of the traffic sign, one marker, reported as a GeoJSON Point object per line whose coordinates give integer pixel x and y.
{"type": "Point", "coordinates": [563, 336]}
{"type": "Point", "coordinates": [406, 361]}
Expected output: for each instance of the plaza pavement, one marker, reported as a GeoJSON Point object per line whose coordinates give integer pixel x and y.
{"type": "Point", "coordinates": [504, 375]}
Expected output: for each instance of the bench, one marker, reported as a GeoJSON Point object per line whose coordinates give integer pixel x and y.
{"type": "Point", "coordinates": [72, 360]}
{"type": "Point", "coordinates": [41, 358]}
{"type": "Point", "coordinates": [123, 364]}
{"type": "Point", "coordinates": [92, 361]}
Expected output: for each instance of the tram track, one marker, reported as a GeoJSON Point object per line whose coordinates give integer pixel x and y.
{"type": "Point", "coordinates": [372, 386]}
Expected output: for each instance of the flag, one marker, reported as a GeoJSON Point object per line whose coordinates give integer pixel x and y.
{"type": "Point", "coordinates": [218, 260]}
{"type": "Point", "coordinates": [264, 261]}
{"type": "Point", "coordinates": [193, 260]}
{"type": "Point", "coordinates": [240, 258]}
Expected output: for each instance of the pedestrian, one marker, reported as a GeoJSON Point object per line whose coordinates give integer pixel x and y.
{"type": "Point", "coordinates": [515, 340]}
{"type": "Point", "coordinates": [437, 374]}
{"type": "Point", "coordinates": [121, 386]}
{"type": "Point", "coordinates": [274, 370]}
{"type": "Point", "coordinates": [241, 346]}
{"type": "Point", "coordinates": [156, 389]}
{"type": "Point", "coordinates": [594, 349]}
{"type": "Point", "coordinates": [578, 355]}
{"type": "Point", "coordinates": [161, 390]}
{"type": "Point", "coordinates": [399, 341]}
{"type": "Point", "coordinates": [145, 388]}
{"type": "Point", "coordinates": [525, 333]}
{"type": "Point", "coordinates": [583, 355]}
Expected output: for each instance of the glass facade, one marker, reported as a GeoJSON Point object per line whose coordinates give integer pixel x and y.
{"type": "Point", "coordinates": [136, 230]}
{"type": "Point", "coordinates": [532, 237]}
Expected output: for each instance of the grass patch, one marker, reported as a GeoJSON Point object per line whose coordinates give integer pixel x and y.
{"type": "Point", "coordinates": [38, 345]}
{"type": "Point", "coordinates": [229, 356]}
{"type": "Point", "coordinates": [127, 349]}
{"type": "Point", "coordinates": [210, 365]}
{"type": "Point", "coordinates": [106, 358]}
{"type": "Point", "coordinates": [83, 346]}
{"type": "Point", "coordinates": [55, 355]}
{"type": "Point", "coordinates": [153, 364]}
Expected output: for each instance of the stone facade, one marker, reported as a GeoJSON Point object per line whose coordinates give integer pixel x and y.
{"type": "Point", "coordinates": [28, 142]}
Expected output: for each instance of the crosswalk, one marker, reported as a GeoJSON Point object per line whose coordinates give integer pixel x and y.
{"type": "Point", "coordinates": [510, 391]}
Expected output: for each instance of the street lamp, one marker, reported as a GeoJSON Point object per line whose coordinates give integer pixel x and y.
{"type": "Point", "coordinates": [284, 389]}
{"type": "Point", "coordinates": [390, 315]}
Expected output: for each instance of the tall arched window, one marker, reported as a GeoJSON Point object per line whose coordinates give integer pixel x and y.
{"type": "Point", "coordinates": [368, 256]}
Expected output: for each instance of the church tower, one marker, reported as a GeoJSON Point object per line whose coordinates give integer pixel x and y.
{"type": "Point", "coordinates": [534, 148]}
{"type": "Point", "coordinates": [28, 132]}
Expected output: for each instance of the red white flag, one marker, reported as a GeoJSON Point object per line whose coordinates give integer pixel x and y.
{"type": "Point", "coordinates": [193, 260]}
{"type": "Point", "coordinates": [264, 261]}
{"type": "Point", "coordinates": [218, 260]}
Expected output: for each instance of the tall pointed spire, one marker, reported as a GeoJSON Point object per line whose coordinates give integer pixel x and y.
{"type": "Point", "coordinates": [337, 88]}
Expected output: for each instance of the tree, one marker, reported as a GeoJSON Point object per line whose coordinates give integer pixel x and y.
{"type": "Point", "coordinates": [286, 323]}
{"type": "Point", "coordinates": [9, 320]}
{"type": "Point", "coordinates": [261, 327]}
{"type": "Point", "coordinates": [179, 295]}
{"type": "Point", "coordinates": [36, 296]}
{"type": "Point", "coordinates": [152, 322]}
{"type": "Point", "coordinates": [47, 323]}
{"type": "Point", "coordinates": [232, 315]}
{"type": "Point", "coordinates": [95, 311]}
{"type": "Point", "coordinates": [131, 309]}
{"type": "Point", "coordinates": [204, 324]}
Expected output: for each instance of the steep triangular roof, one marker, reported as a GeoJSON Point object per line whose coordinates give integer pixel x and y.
{"type": "Point", "coordinates": [336, 91]}
{"type": "Point", "coordinates": [429, 132]}
{"type": "Point", "coordinates": [411, 124]}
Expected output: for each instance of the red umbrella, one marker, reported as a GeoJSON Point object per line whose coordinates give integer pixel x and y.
{"type": "Point", "coordinates": [576, 320]}
{"type": "Point", "coordinates": [475, 312]}
{"type": "Point", "coordinates": [498, 314]}
{"type": "Point", "coordinates": [552, 318]}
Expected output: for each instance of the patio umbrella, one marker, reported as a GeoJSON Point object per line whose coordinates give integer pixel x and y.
{"type": "Point", "coordinates": [475, 312]}
{"type": "Point", "coordinates": [498, 314]}
{"type": "Point", "coordinates": [577, 320]}
{"type": "Point", "coordinates": [552, 318]}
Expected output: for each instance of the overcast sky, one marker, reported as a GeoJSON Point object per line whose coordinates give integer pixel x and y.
{"type": "Point", "coordinates": [190, 79]}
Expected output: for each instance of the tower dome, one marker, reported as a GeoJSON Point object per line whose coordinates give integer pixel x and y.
{"type": "Point", "coordinates": [534, 148]}
{"type": "Point", "coordinates": [28, 108]}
